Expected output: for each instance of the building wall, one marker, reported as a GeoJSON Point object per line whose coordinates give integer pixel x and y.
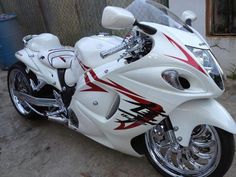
{"type": "Point", "coordinates": [224, 48]}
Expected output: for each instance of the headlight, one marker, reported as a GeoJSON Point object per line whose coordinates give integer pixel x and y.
{"type": "Point", "coordinates": [207, 60]}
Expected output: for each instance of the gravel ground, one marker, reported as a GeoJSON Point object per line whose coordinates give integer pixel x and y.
{"type": "Point", "coordinates": [46, 149]}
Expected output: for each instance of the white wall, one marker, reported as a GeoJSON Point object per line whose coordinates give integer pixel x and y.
{"type": "Point", "coordinates": [224, 48]}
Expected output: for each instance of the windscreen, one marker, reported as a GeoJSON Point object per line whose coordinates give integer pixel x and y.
{"type": "Point", "coordinates": [150, 11]}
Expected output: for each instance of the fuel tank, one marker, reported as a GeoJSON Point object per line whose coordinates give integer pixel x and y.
{"type": "Point", "coordinates": [88, 49]}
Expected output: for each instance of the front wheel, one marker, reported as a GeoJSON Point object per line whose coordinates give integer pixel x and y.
{"type": "Point", "coordinates": [210, 153]}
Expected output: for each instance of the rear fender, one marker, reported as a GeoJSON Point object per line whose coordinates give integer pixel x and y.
{"type": "Point", "coordinates": [24, 57]}
{"type": "Point", "coordinates": [196, 112]}
{"type": "Point", "coordinates": [49, 75]}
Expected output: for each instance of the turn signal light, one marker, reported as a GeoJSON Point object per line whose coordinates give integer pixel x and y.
{"type": "Point", "coordinates": [172, 78]}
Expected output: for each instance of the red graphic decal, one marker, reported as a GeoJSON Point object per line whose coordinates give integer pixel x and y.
{"type": "Point", "coordinates": [152, 110]}
{"type": "Point", "coordinates": [123, 126]}
{"type": "Point", "coordinates": [63, 59]}
{"type": "Point", "coordinates": [190, 60]}
{"type": "Point", "coordinates": [92, 86]}
{"type": "Point", "coordinates": [111, 83]}
{"type": "Point", "coordinates": [145, 113]}
{"type": "Point", "coordinates": [83, 66]}
{"type": "Point", "coordinates": [140, 117]}
{"type": "Point", "coordinates": [135, 98]}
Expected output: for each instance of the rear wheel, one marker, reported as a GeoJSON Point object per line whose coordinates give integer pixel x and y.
{"type": "Point", "coordinates": [210, 152]}
{"type": "Point", "coordinates": [18, 80]}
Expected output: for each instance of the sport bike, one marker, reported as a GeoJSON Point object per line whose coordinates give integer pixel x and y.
{"type": "Point", "coordinates": [150, 93]}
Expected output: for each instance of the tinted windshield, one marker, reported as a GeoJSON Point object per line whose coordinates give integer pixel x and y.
{"type": "Point", "coordinates": [150, 11]}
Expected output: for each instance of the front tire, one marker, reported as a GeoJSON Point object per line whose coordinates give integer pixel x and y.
{"type": "Point", "coordinates": [210, 153]}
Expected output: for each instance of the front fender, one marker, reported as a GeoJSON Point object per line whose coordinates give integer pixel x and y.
{"type": "Point", "coordinates": [196, 112]}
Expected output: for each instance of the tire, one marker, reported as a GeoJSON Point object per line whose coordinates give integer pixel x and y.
{"type": "Point", "coordinates": [220, 165]}
{"type": "Point", "coordinates": [19, 80]}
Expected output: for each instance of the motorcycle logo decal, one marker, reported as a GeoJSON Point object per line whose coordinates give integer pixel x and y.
{"type": "Point", "coordinates": [189, 60]}
{"type": "Point", "coordinates": [144, 114]}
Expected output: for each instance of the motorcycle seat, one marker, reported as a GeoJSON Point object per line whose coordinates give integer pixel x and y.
{"type": "Point", "coordinates": [58, 58]}
{"type": "Point", "coordinates": [43, 42]}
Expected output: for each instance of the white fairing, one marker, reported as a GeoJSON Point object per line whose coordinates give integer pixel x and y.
{"type": "Point", "coordinates": [117, 18]}
{"type": "Point", "coordinates": [197, 112]}
{"type": "Point", "coordinates": [58, 58]}
{"type": "Point", "coordinates": [44, 54]}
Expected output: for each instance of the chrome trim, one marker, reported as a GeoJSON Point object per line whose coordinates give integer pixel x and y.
{"type": "Point", "coordinates": [37, 112]}
{"type": "Point", "coordinates": [200, 159]}
{"type": "Point", "coordinates": [58, 119]}
{"type": "Point", "coordinates": [17, 80]}
{"type": "Point", "coordinates": [43, 102]}
{"type": "Point", "coordinates": [113, 50]}
{"type": "Point", "coordinates": [37, 87]}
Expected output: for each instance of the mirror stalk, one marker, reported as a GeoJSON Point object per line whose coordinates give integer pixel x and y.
{"type": "Point", "coordinates": [188, 17]}
{"type": "Point", "coordinates": [188, 22]}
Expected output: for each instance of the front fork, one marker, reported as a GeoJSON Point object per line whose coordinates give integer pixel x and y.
{"type": "Point", "coordinates": [170, 133]}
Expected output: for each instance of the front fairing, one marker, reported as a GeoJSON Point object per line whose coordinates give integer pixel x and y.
{"type": "Point", "coordinates": [192, 45]}
{"type": "Point", "coordinates": [176, 45]}
{"type": "Point", "coordinates": [169, 52]}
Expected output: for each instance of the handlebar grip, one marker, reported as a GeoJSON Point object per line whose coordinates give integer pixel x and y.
{"type": "Point", "coordinates": [111, 51]}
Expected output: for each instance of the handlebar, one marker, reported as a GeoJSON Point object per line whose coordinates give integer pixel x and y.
{"type": "Point", "coordinates": [111, 51]}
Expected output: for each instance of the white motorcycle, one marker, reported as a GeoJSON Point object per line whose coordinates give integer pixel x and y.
{"type": "Point", "coordinates": [150, 93]}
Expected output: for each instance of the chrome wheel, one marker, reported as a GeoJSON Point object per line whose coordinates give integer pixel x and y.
{"type": "Point", "coordinates": [18, 81]}
{"type": "Point", "coordinates": [201, 158]}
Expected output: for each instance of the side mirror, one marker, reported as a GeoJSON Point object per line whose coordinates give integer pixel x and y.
{"type": "Point", "coordinates": [117, 18]}
{"type": "Point", "coordinates": [188, 17]}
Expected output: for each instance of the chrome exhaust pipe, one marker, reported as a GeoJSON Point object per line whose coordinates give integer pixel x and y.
{"type": "Point", "coordinates": [58, 119]}
{"type": "Point", "coordinates": [51, 118]}
{"type": "Point", "coordinates": [37, 112]}
{"type": "Point", "coordinates": [43, 102]}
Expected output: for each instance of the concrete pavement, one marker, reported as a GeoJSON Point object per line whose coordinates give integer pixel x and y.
{"type": "Point", "coordinates": [45, 149]}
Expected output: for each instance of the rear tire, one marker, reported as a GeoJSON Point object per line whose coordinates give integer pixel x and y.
{"type": "Point", "coordinates": [19, 80]}
{"type": "Point", "coordinates": [225, 158]}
